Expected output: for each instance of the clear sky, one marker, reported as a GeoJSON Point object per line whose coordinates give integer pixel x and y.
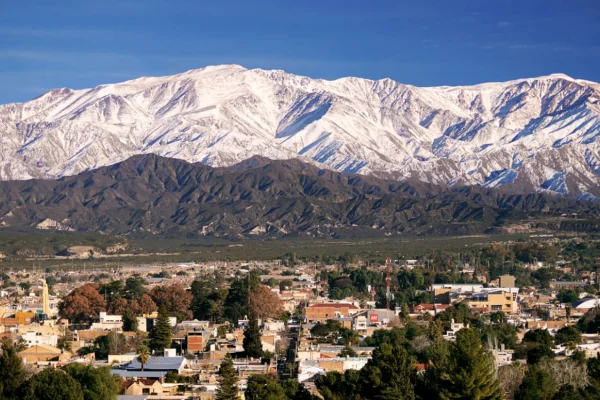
{"type": "Point", "coordinates": [83, 43]}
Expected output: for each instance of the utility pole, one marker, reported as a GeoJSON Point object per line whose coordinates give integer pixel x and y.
{"type": "Point", "coordinates": [388, 282]}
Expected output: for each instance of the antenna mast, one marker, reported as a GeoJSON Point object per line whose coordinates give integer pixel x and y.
{"type": "Point", "coordinates": [388, 282]}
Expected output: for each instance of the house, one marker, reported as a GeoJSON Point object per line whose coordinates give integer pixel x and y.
{"type": "Point", "coordinates": [43, 353]}
{"type": "Point", "coordinates": [34, 338]}
{"type": "Point", "coordinates": [309, 370]}
{"type": "Point", "coordinates": [148, 387]}
{"type": "Point", "coordinates": [159, 364]}
{"type": "Point", "coordinates": [108, 323]}
{"type": "Point", "coordinates": [454, 328]}
{"type": "Point", "coordinates": [321, 312]}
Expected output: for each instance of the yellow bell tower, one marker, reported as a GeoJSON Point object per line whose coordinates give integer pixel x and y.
{"type": "Point", "coordinates": [45, 299]}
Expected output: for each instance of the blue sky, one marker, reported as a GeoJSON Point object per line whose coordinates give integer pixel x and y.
{"type": "Point", "coordinates": [78, 44]}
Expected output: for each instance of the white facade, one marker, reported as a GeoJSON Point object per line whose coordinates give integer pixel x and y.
{"type": "Point", "coordinates": [36, 338]}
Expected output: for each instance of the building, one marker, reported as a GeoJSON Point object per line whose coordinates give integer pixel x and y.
{"type": "Point", "coordinates": [43, 353]}
{"type": "Point", "coordinates": [146, 323]}
{"type": "Point", "coordinates": [35, 338]}
{"type": "Point", "coordinates": [500, 299]}
{"type": "Point", "coordinates": [108, 323]}
{"type": "Point", "coordinates": [321, 312]}
{"type": "Point", "coordinates": [508, 281]}
{"type": "Point", "coordinates": [584, 305]}
{"type": "Point", "coordinates": [309, 370]}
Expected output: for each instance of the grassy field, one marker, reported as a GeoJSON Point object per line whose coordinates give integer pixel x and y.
{"type": "Point", "coordinates": [24, 249]}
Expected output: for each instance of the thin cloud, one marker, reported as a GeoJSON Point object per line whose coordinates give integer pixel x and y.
{"type": "Point", "coordinates": [504, 24]}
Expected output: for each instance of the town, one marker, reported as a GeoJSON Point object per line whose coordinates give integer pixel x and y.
{"type": "Point", "coordinates": [520, 320]}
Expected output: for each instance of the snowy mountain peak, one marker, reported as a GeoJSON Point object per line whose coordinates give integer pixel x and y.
{"type": "Point", "coordinates": [528, 134]}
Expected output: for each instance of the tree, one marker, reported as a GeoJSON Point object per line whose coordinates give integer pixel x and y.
{"type": "Point", "coordinates": [117, 305]}
{"type": "Point", "coordinates": [51, 384]}
{"type": "Point", "coordinates": [134, 287]}
{"type": "Point", "coordinates": [82, 304]}
{"type": "Point", "coordinates": [11, 370]}
{"type": "Point", "coordinates": [471, 371]}
{"type": "Point", "coordinates": [510, 377]}
{"type": "Point", "coordinates": [228, 378]}
{"type": "Point", "coordinates": [143, 306]}
{"type": "Point", "coordinates": [264, 303]}
{"type": "Point", "coordinates": [285, 284]}
{"type": "Point", "coordinates": [160, 337]}
{"type": "Point", "coordinates": [389, 375]}
{"type": "Point", "coordinates": [566, 335]}
{"type": "Point", "coordinates": [264, 387]}
{"type": "Point", "coordinates": [537, 385]}
{"type": "Point", "coordinates": [537, 353]}
{"type": "Point", "coordinates": [174, 298]}
{"type": "Point", "coordinates": [336, 386]}
{"type": "Point", "coordinates": [112, 343]}
{"type": "Point", "coordinates": [567, 392]}
{"type": "Point", "coordinates": [252, 339]}
{"type": "Point", "coordinates": [130, 322]}
{"type": "Point", "coordinates": [347, 351]}
{"type": "Point", "coordinates": [295, 390]}
{"type": "Point", "coordinates": [63, 343]}
{"type": "Point", "coordinates": [540, 336]}
{"type": "Point", "coordinates": [143, 353]}
{"type": "Point", "coordinates": [96, 383]}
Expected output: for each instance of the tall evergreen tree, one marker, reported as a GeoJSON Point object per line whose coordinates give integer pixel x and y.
{"type": "Point", "coordinates": [389, 375]}
{"type": "Point", "coordinates": [130, 323]}
{"type": "Point", "coordinates": [228, 378]}
{"type": "Point", "coordinates": [11, 370]}
{"type": "Point", "coordinates": [537, 385]}
{"type": "Point", "coordinates": [160, 337]}
{"type": "Point", "coordinates": [470, 373]}
{"type": "Point", "coordinates": [252, 343]}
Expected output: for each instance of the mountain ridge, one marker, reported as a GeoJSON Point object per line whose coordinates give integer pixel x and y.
{"type": "Point", "coordinates": [150, 194]}
{"type": "Point", "coordinates": [534, 134]}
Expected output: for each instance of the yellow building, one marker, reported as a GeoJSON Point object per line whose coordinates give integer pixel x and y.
{"type": "Point", "coordinates": [498, 300]}
{"type": "Point", "coordinates": [507, 281]}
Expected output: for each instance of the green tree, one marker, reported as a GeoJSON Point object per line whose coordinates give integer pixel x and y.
{"type": "Point", "coordinates": [113, 343]}
{"type": "Point", "coordinates": [143, 353]}
{"type": "Point", "coordinates": [228, 378]}
{"type": "Point", "coordinates": [51, 384]}
{"type": "Point", "coordinates": [336, 386]}
{"type": "Point", "coordinates": [160, 336]}
{"type": "Point", "coordinates": [11, 370]}
{"type": "Point", "coordinates": [389, 375]}
{"type": "Point", "coordinates": [566, 335]}
{"type": "Point", "coordinates": [470, 373]}
{"type": "Point", "coordinates": [252, 339]}
{"type": "Point", "coordinates": [295, 390]}
{"type": "Point", "coordinates": [96, 383]}
{"type": "Point", "coordinates": [264, 387]}
{"type": "Point", "coordinates": [130, 322]}
{"type": "Point", "coordinates": [537, 385]}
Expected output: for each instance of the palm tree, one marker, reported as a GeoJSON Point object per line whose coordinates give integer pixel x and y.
{"type": "Point", "coordinates": [143, 354]}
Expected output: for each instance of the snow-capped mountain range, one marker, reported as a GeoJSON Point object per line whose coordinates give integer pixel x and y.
{"type": "Point", "coordinates": [529, 134]}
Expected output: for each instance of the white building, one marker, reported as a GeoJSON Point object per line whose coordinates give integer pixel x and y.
{"type": "Point", "coordinates": [108, 323]}
{"type": "Point", "coordinates": [36, 338]}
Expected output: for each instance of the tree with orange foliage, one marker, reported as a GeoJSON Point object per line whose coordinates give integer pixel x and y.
{"type": "Point", "coordinates": [83, 304]}
{"type": "Point", "coordinates": [174, 297]}
{"type": "Point", "coordinates": [145, 305]}
{"type": "Point", "coordinates": [264, 303]}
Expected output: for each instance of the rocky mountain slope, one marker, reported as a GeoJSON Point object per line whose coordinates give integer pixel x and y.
{"type": "Point", "coordinates": [536, 134]}
{"type": "Point", "coordinates": [152, 194]}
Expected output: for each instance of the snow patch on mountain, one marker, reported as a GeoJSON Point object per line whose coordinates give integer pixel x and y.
{"type": "Point", "coordinates": [535, 131]}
